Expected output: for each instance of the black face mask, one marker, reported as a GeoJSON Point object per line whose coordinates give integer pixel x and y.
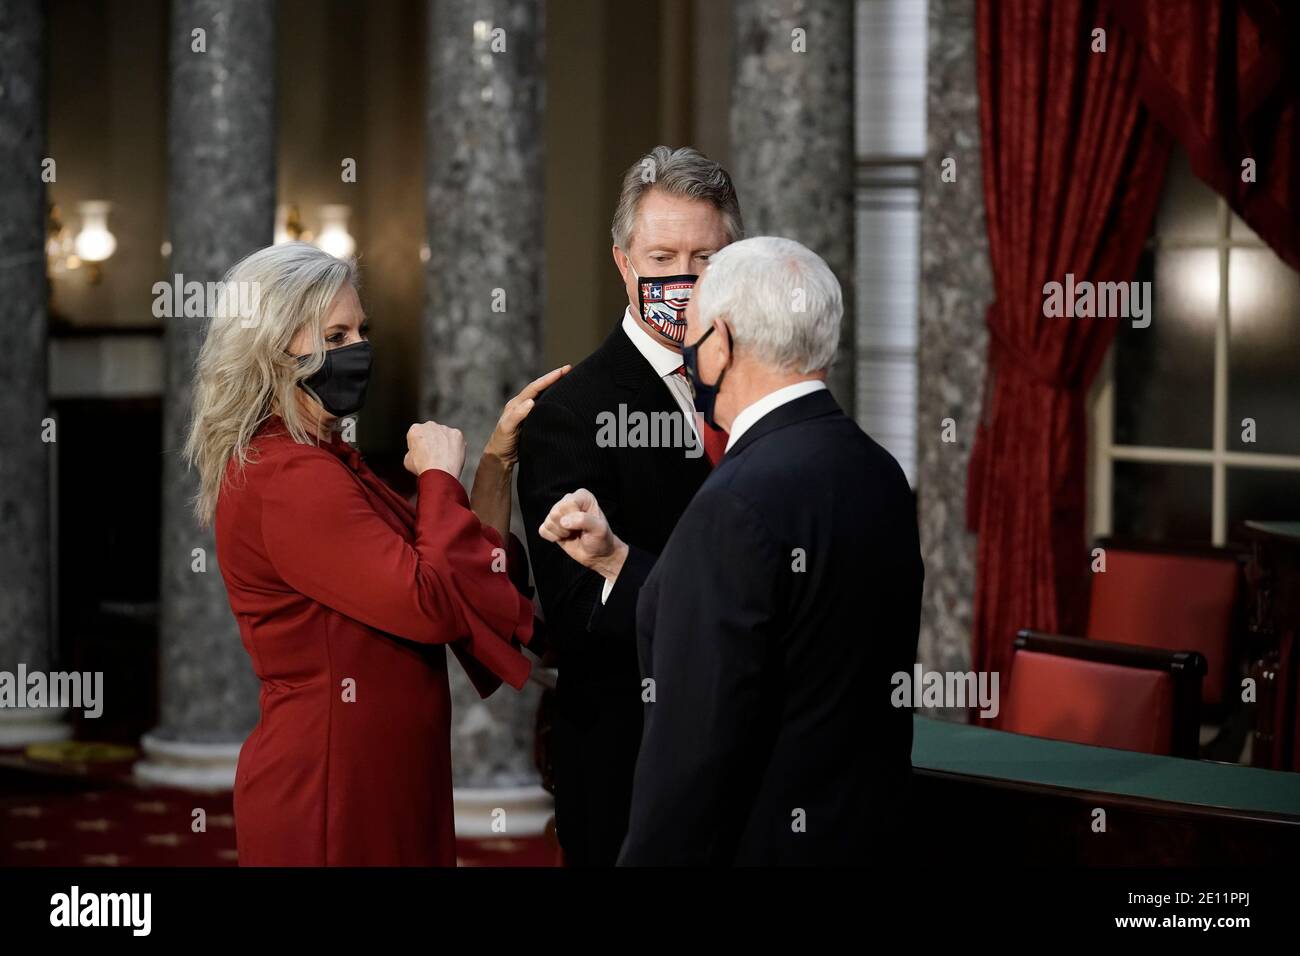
{"type": "Point", "coordinates": [663, 303]}
{"type": "Point", "coordinates": [705, 395]}
{"type": "Point", "coordinates": [340, 384]}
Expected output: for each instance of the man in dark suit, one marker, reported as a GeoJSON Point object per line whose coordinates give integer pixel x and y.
{"type": "Point", "coordinates": [784, 601]}
{"type": "Point", "coordinates": [622, 424]}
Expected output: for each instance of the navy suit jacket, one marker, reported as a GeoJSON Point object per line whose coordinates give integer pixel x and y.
{"type": "Point", "coordinates": [785, 599]}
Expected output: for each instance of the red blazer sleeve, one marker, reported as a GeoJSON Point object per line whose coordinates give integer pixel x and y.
{"type": "Point", "coordinates": [327, 542]}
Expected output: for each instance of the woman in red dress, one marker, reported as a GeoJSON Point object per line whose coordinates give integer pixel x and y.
{"type": "Point", "coordinates": [346, 595]}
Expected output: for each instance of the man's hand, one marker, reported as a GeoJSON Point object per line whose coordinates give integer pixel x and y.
{"type": "Point", "coordinates": [577, 525]}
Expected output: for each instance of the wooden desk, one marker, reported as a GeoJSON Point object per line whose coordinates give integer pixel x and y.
{"type": "Point", "coordinates": [1273, 584]}
{"type": "Point", "coordinates": [982, 794]}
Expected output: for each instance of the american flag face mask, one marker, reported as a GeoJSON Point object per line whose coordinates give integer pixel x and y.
{"type": "Point", "coordinates": [663, 303]}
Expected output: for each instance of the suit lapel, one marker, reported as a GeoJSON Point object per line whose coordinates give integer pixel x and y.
{"type": "Point", "coordinates": [646, 392]}
{"type": "Point", "coordinates": [628, 368]}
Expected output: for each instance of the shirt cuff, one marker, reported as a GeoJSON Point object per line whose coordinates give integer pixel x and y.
{"type": "Point", "coordinates": [604, 592]}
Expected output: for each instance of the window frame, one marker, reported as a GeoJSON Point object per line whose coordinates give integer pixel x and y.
{"type": "Point", "coordinates": [1104, 452]}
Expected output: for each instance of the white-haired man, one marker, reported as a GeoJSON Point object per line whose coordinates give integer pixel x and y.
{"type": "Point", "coordinates": [785, 599]}
{"type": "Point", "coordinates": [675, 210]}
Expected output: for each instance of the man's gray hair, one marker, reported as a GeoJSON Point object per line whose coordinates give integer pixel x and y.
{"type": "Point", "coordinates": [683, 172]}
{"type": "Point", "coordinates": [780, 300]}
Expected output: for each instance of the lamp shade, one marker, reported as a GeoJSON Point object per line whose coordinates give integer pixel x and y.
{"type": "Point", "coordinates": [94, 242]}
{"type": "Point", "coordinates": [334, 237]}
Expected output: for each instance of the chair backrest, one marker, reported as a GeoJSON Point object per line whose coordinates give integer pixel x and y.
{"type": "Point", "coordinates": [1177, 602]}
{"type": "Point", "coordinates": [1105, 694]}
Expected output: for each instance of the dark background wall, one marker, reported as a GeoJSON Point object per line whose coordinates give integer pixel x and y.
{"type": "Point", "coordinates": [620, 77]}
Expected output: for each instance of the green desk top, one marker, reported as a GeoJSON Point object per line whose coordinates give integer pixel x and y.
{"type": "Point", "coordinates": [980, 752]}
{"type": "Point", "coordinates": [1281, 529]}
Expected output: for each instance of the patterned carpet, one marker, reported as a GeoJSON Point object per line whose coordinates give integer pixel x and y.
{"type": "Point", "coordinates": [77, 814]}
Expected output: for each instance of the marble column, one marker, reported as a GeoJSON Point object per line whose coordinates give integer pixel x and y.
{"type": "Point", "coordinates": [25, 636]}
{"type": "Point", "coordinates": [956, 288]}
{"type": "Point", "coordinates": [792, 149]}
{"type": "Point", "coordinates": [222, 207]}
{"type": "Point", "coordinates": [482, 319]}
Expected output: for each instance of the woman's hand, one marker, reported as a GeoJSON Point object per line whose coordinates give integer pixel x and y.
{"type": "Point", "coordinates": [430, 445]}
{"type": "Point", "coordinates": [504, 443]}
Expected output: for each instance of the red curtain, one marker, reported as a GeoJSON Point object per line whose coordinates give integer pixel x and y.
{"type": "Point", "coordinates": [1224, 78]}
{"type": "Point", "coordinates": [1072, 171]}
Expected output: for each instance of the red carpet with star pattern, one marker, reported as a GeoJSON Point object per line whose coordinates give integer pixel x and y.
{"type": "Point", "coordinates": [71, 815]}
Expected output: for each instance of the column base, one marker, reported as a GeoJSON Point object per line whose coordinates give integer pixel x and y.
{"type": "Point", "coordinates": [527, 810]}
{"type": "Point", "coordinates": [20, 726]}
{"type": "Point", "coordinates": [186, 764]}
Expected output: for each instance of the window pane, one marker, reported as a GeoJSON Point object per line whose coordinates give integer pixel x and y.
{"type": "Point", "coordinates": [1189, 209]}
{"type": "Point", "coordinates": [1242, 232]}
{"type": "Point", "coordinates": [1263, 351]}
{"type": "Point", "coordinates": [1261, 494]}
{"type": "Point", "coordinates": [1161, 502]}
{"type": "Point", "coordinates": [1164, 373]}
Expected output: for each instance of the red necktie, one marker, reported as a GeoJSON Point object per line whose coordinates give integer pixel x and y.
{"type": "Point", "coordinates": [715, 441]}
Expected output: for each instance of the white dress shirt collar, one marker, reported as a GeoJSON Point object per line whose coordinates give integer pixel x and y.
{"type": "Point", "coordinates": [770, 403]}
{"type": "Point", "coordinates": [661, 358]}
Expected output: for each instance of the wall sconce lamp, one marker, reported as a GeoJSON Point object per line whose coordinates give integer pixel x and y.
{"type": "Point", "coordinates": [288, 225]}
{"type": "Point", "coordinates": [334, 237]}
{"type": "Point", "coordinates": [92, 246]}
{"type": "Point", "coordinates": [58, 242]}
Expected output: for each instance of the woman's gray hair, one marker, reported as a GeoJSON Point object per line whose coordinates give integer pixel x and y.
{"type": "Point", "coordinates": [683, 172]}
{"type": "Point", "coordinates": [780, 300]}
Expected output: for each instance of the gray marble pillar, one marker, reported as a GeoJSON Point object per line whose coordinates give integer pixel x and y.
{"type": "Point", "coordinates": [956, 288]}
{"type": "Point", "coordinates": [24, 454]}
{"type": "Point", "coordinates": [792, 137]}
{"type": "Point", "coordinates": [222, 207]}
{"type": "Point", "coordinates": [482, 318]}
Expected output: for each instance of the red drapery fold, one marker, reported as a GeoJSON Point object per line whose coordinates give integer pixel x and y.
{"type": "Point", "coordinates": [1072, 171]}
{"type": "Point", "coordinates": [1224, 79]}
{"type": "Point", "coordinates": [1073, 163]}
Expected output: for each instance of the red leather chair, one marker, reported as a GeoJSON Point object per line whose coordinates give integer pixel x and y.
{"type": "Point", "coordinates": [1105, 694]}
{"type": "Point", "coordinates": [1175, 601]}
